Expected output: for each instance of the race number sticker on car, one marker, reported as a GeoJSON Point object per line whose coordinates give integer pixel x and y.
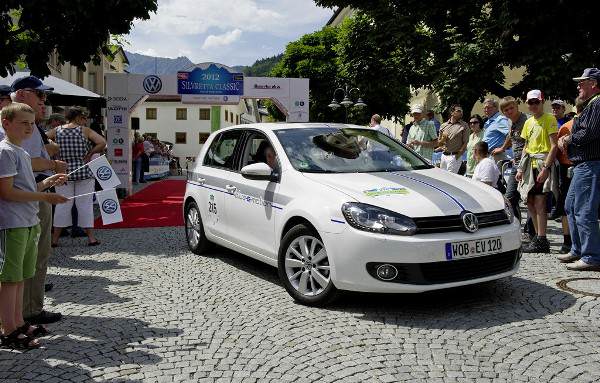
{"type": "Point", "coordinates": [475, 248]}
{"type": "Point", "coordinates": [213, 209]}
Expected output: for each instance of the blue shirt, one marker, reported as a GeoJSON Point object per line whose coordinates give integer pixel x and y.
{"type": "Point", "coordinates": [495, 131]}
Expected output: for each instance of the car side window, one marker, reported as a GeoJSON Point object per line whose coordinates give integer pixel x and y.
{"type": "Point", "coordinates": [259, 149]}
{"type": "Point", "coordinates": [221, 152]}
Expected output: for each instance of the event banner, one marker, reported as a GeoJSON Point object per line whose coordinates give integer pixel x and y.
{"type": "Point", "coordinates": [109, 206]}
{"type": "Point", "coordinates": [213, 80]}
{"type": "Point", "coordinates": [104, 173]}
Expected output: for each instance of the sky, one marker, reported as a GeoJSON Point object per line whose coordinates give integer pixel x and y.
{"type": "Point", "coordinates": [231, 32]}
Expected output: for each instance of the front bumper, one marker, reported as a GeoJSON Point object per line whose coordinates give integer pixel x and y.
{"type": "Point", "coordinates": [420, 259]}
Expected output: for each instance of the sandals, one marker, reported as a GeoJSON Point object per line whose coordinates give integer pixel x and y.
{"type": "Point", "coordinates": [18, 340]}
{"type": "Point", "coordinates": [38, 330]}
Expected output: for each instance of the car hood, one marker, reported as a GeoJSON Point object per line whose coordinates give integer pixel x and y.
{"type": "Point", "coordinates": [422, 193]}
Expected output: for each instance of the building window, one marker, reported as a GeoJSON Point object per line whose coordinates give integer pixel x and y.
{"type": "Point", "coordinates": [79, 79]}
{"type": "Point", "coordinates": [237, 119]}
{"type": "Point", "coordinates": [181, 114]}
{"type": "Point", "coordinates": [231, 117]}
{"type": "Point", "coordinates": [153, 135]}
{"type": "Point", "coordinates": [202, 137]}
{"type": "Point", "coordinates": [150, 113]}
{"type": "Point", "coordinates": [204, 114]}
{"type": "Point", "coordinates": [180, 137]}
{"type": "Point", "coordinates": [226, 116]}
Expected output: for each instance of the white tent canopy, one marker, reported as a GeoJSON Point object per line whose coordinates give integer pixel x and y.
{"type": "Point", "coordinates": [60, 86]}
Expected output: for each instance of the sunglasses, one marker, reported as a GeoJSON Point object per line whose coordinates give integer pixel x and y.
{"type": "Point", "coordinates": [533, 102]}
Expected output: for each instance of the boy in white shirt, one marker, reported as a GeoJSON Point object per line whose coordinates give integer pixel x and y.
{"type": "Point", "coordinates": [486, 170]}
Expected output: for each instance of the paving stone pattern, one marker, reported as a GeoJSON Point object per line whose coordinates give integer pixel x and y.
{"type": "Point", "coordinates": [141, 308]}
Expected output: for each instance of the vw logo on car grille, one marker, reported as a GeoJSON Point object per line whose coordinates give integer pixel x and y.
{"type": "Point", "coordinates": [470, 222]}
{"type": "Point", "coordinates": [104, 173]}
{"type": "Point", "coordinates": [152, 84]}
{"type": "Point", "coordinates": [109, 206]}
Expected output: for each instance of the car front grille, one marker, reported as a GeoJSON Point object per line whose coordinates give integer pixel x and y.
{"type": "Point", "coordinates": [444, 224]}
{"type": "Point", "coordinates": [450, 271]}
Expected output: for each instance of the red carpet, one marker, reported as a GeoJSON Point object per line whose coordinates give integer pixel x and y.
{"type": "Point", "coordinates": [158, 205]}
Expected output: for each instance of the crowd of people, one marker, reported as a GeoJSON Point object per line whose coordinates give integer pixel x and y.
{"type": "Point", "coordinates": [145, 147]}
{"type": "Point", "coordinates": [555, 162]}
{"type": "Point", "coordinates": [39, 168]}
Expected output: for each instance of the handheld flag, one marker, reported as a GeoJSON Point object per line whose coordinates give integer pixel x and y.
{"type": "Point", "coordinates": [104, 173]}
{"type": "Point", "coordinates": [109, 206]}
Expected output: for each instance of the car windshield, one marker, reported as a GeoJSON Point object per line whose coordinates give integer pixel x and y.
{"type": "Point", "coordinates": [347, 150]}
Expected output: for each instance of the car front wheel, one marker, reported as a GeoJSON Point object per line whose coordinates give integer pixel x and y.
{"type": "Point", "coordinates": [194, 230]}
{"type": "Point", "coordinates": [304, 267]}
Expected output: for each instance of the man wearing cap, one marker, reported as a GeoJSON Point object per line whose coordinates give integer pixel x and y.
{"type": "Point", "coordinates": [536, 174]}
{"type": "Point", "coordinates": [495, 128]}
{"type": "Point", "coordinates": [559, 107]}
{"type": "Point", "coordinates": [5, 91]}
{"type": "Point", "coordinates": [453, 140]}
{"type": "Point", "coordinates": [422, 137]}
{"type": "Point", "coordinates": [31, 91]}
{"type": "Point", "coordinates": [583, 199]}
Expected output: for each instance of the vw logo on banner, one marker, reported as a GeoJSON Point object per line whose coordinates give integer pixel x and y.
{"type": "Point", "coordinates": [152, 84]}
{"type": "Point", "coordinates": [470, 222]}
{"type": "Point", "coordinates": [104, 173]}
{"type": "Point", "coordinates": [109, 206]}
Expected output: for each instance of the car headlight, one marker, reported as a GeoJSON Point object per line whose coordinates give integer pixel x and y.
{"type": "Point", "coordinates": [508, 210]}
{"type": "Point", "coordinates": [377, 220]}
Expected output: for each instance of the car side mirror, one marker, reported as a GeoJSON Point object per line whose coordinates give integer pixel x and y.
{"type": "Point", "coordinates": [258, 171]}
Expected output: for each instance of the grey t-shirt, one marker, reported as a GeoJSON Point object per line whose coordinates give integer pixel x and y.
{"type": "Point", "coordinates": [16, 163]}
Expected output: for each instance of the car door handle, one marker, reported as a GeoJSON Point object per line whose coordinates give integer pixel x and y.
{"type": "Point", "coordinates": [201, 180]}
{"type": "Point", "coordinates": [230, 188]}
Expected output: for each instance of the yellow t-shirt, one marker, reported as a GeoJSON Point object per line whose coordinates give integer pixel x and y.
{"type": "Point", "coordinates": [537, 131]}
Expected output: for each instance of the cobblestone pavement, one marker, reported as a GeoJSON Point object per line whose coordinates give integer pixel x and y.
{"type": "Point", "coordinates": [143, 308]}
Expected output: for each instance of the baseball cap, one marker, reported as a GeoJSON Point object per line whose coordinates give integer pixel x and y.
{"type": "Point", "coordinates": [5, 90]}
{"type": "Point", "coordinates": [558, 102]}
{"type": "Point", "coordinates": [416, 109]}
{"type": "Point", "coordinates": [535, 94]}
{"type": "Point", "coordinates": [30, 82]}
{"type": "Point", "coordinates": [589, 73]}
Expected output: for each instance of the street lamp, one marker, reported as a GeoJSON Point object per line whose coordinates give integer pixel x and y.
{"type": "Point", "coordinates": [346, 99]}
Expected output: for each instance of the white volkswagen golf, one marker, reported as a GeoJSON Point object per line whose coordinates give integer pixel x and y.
{"type": "Point", "coordinates": [340, 207]}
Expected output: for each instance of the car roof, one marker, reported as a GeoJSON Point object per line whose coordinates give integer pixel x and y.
{"type": "Point", "coordinates": [273, 126]}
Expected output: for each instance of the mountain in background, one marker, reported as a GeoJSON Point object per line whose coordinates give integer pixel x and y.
{"type": "Point", "coordinates": [144, 64]}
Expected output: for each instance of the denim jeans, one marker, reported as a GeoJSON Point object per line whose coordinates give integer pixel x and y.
{"type": "Point", "coordinates": [512, 194]}
{"type": "Point", "coordinates": [582, 205]}
{"type": "Point", "coordinates": [137, 167]}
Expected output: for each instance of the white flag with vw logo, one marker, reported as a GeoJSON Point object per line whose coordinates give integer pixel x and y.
{"type": "Point", "coordinates": [109, 206]}
{"type": "Point", "coordinates": [104, 173]}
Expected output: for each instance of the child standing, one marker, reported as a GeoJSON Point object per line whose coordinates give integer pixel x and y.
{"type": "Point", "coordinates": [19, 224]}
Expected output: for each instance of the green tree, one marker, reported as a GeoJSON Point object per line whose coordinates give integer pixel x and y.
{"type": "Point", "coordinates": [313, 56]}
{"type": "Point", "coordinates": [460, 49]}
{"type": "Point", "coordinates": [78, 30]}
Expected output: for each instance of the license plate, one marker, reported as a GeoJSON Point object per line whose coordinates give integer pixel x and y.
{"type": "Point", "coordinates": [475, 248]}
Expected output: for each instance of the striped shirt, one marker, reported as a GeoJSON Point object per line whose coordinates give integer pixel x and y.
{"type": "Point", "coordinates": [585, 136]}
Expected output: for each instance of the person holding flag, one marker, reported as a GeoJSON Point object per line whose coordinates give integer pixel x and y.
{"type": "Point", "coordinates": [73, 140]}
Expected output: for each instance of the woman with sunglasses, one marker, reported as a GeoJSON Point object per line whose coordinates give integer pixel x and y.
{"type": "Point", "coordinates": [73, 140]}
{"type": "Point", "coordinates": [476, 126]}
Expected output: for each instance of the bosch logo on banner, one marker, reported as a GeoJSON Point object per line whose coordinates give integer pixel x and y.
{"type": "Point", "coordinates": [118, 152]}
{"type": "Point", "coordinates": [117, 119]}
{"type": "Point", "coordinates": [152, 84]}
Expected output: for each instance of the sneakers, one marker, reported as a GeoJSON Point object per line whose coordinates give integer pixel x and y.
{"type": "Point", "coordinates": [580, 265]}
{"type": "Point", "coordinates": [567, 258]}
{"type": "Point", "coordinates": [537, 245]}
{"type": "Point", "coordinates": [44, 317]}
{"type": "Point", "coordinates": [564, 249]}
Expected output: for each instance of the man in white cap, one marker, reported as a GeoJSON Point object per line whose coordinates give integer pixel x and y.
{"type": "Point", "coordinates": [583, 199]}
{"type": "Point", "coordinates": [536, 173]}
{"type": "Point", "coordinates": [422, 137]}
{"type": "Point", "coordinates": [559, 108]}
